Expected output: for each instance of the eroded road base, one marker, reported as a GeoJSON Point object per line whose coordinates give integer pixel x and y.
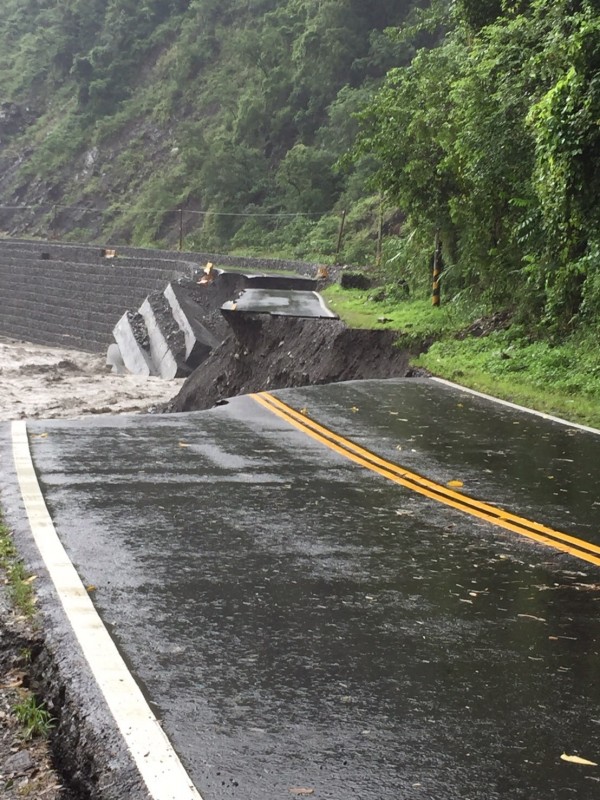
{"type": "Point", "coordinates": [78, 760]}
{"type": "Point", "coordinates": [27, 762]}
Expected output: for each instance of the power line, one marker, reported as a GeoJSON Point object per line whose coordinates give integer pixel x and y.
{"type": "Point", "coordinates": [90, 209]}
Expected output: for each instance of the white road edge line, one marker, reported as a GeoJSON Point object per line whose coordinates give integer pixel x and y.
{"type": "Point", "coordinates": [330, 313]}
{"type": "Point", "coordinates": [516, 407]}
{"type": "Point", "coordinates": [160, 767]}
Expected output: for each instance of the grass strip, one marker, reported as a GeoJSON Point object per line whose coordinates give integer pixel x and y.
{"type": "Point", "coordinates": [514, 364]}
{"type": "Point", "coordinates": [18, 580]}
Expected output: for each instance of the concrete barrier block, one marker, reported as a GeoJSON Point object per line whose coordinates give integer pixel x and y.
{"type": "Point", "coordinates": [167, 342]}
{"type": "Point", "coordinates": [188, 315]}
{"type": "Point", "coordinates": [131, 337]}
{"type": "Point", "coordinates": [114, 359]}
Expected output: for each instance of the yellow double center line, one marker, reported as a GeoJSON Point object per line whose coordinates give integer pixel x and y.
{"type": "Point", "coordinates": [436, 491]}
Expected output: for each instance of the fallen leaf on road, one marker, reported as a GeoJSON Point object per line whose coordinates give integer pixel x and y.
{"type": "Point", "coordinates": [455, 484]}
{"type": "Point", "coordinates": [183, 444]}
{"type": "Point", "coordinates": [354, 409]}
{"type": "Point", "coordinates": [301, 791]}
{"type": "Point", "coordinates": [578, 760]}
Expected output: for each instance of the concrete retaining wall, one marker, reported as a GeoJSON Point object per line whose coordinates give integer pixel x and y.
{"type": "Point", "coordinates": [69, 304]}
{"type": "Point", "coordinates": [74, 252]}
{"type": "Point", "coordinates": [68, 295]}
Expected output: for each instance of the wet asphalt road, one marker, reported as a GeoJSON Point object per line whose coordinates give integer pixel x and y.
{"type": "Point", "coordinates": [298, 621]}
{"type": "Point", "coordinates": [281, 302]}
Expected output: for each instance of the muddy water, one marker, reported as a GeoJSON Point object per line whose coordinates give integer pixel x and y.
{"type": "Point", "coordinates": [49, 382]}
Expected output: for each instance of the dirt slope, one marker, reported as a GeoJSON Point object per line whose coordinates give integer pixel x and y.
{"type": "Point", "coordinates": [276, 352]}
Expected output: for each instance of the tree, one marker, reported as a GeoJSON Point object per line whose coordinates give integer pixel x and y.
{"type": "Point", "coordinates": [493, 138]}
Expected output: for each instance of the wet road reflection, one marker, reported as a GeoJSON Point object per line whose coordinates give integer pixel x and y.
{"type": "Point", "coordinates": [543, 470]}
{"type": "Point", "coordinates": [300, 622]}
{"type": "Point", "coordinates": [281, 302]}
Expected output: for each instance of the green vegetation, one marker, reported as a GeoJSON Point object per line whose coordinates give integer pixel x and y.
{"type": "Point", "coordinates": [33, 717]}
{"type": "Point", "coordinates": [235, 111]}
{"type": "Point", "coordinates": [563, 380]}
{"type": "Point", "coordinates": [19, 582]}
{"type": "Point", "coordinates": [266, 122]}
{"type": "Point", "coordinates": [492, 140]}
{"type": "Point", "coordinates": [560, 378]}
{"type": "Point", "coordinates": [376, 308]}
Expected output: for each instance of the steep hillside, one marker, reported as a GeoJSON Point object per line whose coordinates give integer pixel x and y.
{"type": "Point", "coordinates": [115, 115]}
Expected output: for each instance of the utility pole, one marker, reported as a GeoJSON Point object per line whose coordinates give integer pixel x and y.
{"type": "Point", "coordinates": [340, 237]}
{"type": "Point", "coordinates": [437, 269]}
{"type": "Point", "coordinates": [379, 232]}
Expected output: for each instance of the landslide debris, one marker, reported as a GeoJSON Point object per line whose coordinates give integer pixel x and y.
{"type": "Point", "coordinates": [266, 352]}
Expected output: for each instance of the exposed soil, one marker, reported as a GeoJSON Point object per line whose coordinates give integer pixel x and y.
{"type": "Point", "coordinates": [26, 766]}
{"type": "Point", "coordinates": [486, 325]}
{"type": "Point", "coordinates": [274, 352]}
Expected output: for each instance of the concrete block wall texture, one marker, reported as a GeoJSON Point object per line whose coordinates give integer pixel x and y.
{"type": "Point", "coordinates": [72, 304]}
{"type": "Point", "coordinates": [198, 259]}
{"type": "Point", "coordinates": [239, 262]}
{"type": "Point", "coordinates": [75, 297]}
